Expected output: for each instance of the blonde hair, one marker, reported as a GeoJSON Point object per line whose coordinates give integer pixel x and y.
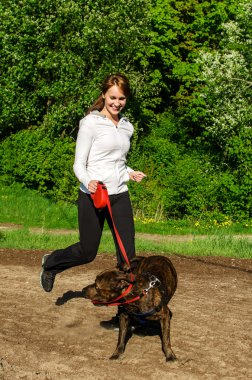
{"type": "Point", "coordinates": [117, 79]}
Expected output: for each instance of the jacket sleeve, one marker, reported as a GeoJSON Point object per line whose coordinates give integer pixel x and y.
{"type": "Point", "coordinates": [126, 177]}
{"type": "Point", "coordinates": [129, 170]}
{"type": "Point", "coordinates": [83, 145]}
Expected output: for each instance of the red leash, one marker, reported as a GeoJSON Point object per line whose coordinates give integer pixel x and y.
{"type": "Point", "coordinates": [101, 200]}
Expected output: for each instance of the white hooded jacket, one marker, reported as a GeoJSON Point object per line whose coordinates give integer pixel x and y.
{"type": "Point", "coordinates": [101, 150]}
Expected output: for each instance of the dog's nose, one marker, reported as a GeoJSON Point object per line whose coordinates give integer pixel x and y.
{"type": "Point", "coordinates": [89, 292]}
{"type": "Point", "coordinates": [84, 292]}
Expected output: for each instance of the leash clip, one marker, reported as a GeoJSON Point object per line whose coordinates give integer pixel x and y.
{"type": "Point", "coordinates": [154, 281]}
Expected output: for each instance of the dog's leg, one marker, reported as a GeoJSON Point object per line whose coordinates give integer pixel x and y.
{"type": "Point", "coordinates": [123, 329]}
{"type": "Point", "coordinates": [165, 323]}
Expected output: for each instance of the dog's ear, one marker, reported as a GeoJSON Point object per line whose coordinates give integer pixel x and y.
{"type": "Point", "coordinates": [125, 277]}
{"type": "Point", "coordinates": [133, 264]}
{"type": "Point", "coordinates": [136, 259]}
{"type": "Point", "coordinates": [123, 267]}
{"type": "Point", "coordinates": [122, 284]}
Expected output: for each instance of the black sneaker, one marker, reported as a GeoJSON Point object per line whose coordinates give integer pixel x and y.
{"type": "Point", "coordinates": [46, 277]}
{"type": "Point", "coordinates": [112, 324]}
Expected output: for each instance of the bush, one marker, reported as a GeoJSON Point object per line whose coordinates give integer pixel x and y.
{"type": "Point", "coordinates": [183, 182]}
{"type": "Point", "coordinates": [40, 162]}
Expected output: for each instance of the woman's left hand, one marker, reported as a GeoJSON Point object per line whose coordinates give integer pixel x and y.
{"type": "Point", "coordinates": [136, 176]}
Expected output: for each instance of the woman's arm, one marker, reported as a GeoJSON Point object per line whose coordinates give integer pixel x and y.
{"type": "Point", "coordinates": [83, 145]}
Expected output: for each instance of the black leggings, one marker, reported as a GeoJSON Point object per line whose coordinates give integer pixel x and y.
{"type": "Point", "coordinates": [91, 222]}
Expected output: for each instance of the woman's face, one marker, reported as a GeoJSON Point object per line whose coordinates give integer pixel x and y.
{"type": "Point", "coordinates": [114, 102]}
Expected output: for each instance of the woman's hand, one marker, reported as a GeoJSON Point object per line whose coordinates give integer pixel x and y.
{"type": "Point", "coordinates": [136, 176]}
{"type": "Point", "coordinates": [92, 186]}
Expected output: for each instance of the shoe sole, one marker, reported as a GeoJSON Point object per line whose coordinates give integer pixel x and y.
{"type": "Point", "coordinates": [116, 329]}
{"type": "Point", "coordinates": [40, 277]}
{"type": "Point", "coordinates": [44, 259]}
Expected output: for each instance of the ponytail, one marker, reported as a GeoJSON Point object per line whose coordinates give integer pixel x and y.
{"type": "Point", "coordinates": [97, 105]}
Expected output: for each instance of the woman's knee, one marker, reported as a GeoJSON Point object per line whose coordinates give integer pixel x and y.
{"type": "Point", "coordinates": [88, 255]}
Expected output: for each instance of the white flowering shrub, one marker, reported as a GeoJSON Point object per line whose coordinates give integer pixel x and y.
{"type": "Point", "coordinates": [225, 92]}
{"type": "Point", "coordinates": [226, 76]}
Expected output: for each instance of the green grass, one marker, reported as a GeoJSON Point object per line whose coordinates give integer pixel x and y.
{"type": "Point", "coordinates": [29, 209]}
{"type": "Point", "coordinates": [23, 206]}
{"type": "Point", "coordinates": [218, 245]}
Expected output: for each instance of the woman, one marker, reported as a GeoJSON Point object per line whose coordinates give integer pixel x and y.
{"type": "Point", "coordinates": [102, 145]}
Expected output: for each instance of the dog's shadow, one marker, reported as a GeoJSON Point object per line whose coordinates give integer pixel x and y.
{"type": "Point", "coordinates": [138, 327]}
{"type": "Point", "coordinates": [68, 296]}
{"type": "Point", "coordinates": [147, 328]}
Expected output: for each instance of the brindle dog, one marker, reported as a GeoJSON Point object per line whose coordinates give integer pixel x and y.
{"type": "Point", "coordinates": [155, 282]}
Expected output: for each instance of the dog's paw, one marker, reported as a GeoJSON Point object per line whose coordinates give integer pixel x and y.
{"type": "Point", "coordinates": [171, 357]}
{"type": "Point", "coordinates": [114, 357]}
{"type": "Point", "coordinates": [118, 352]}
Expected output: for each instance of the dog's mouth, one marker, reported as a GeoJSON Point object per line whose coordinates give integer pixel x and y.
{"type": "Point", "coordinates": [88, 291]}
{"type": "Point", "coordinates": [98, 296]}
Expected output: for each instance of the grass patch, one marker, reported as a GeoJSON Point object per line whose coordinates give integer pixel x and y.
{"type": "Point", "coordinates": [218, 245]}
{"type": "Point", "coordinates": [227, 246]}
{"type": "Point", "coordinates": [24, 239]}
{"type": "Point", "coordinates": [27, 207]}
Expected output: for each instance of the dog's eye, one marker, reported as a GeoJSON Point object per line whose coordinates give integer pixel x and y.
{"type": "Point", "coordinates": [115, 288]}
{"type": "Point", "coordinates": [120, 286]}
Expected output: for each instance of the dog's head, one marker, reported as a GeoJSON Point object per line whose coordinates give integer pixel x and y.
{"type": "Point", "coordinates": [107, 286]}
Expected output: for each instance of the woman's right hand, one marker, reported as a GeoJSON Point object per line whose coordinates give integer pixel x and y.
{"type": "Point", "coordinates": [92, 186]}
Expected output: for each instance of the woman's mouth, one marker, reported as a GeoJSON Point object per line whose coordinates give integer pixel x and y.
{"type": "Point", "coordinates": [116, 109]}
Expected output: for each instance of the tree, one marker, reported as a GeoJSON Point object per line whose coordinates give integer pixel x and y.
{"type": "Point", "coordinates": [179, 30]}
{"type": "Point", "coordinates": [56, 53]}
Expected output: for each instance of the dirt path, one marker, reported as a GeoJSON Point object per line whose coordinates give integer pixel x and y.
{"type": "Point", "coordinates": [44, 338]}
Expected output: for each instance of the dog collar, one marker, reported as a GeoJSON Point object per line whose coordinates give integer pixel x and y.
{"type": "Point", "coordinates": [154, 281]}
{"type": "Point", "coordinates": [146, 313]}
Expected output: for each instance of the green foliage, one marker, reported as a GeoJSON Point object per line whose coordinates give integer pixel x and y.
{"type": "Point", "coordinates": [175, 179]}
{"type": "Point", "coordinates": [40, 162]}
{"type": "Point", "coordinates": [179, 30]}
{"type": "Point", "coordinates": [189, 64]}
{"type": "Point", "coordinates": [184, 182]}
{"type": "Point", "coordinates": [239, 159]}
{"type": "Point", "coordinates": [55, 54]}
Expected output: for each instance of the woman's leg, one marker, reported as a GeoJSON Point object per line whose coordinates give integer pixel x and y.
{"type": "Point", "coordinates": [91, 222]}
{"type": "Point", "coordinates": [124, 222]}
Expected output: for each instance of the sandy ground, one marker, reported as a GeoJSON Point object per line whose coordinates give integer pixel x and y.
{"type": "Point", "coordinates": [57, 335]}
